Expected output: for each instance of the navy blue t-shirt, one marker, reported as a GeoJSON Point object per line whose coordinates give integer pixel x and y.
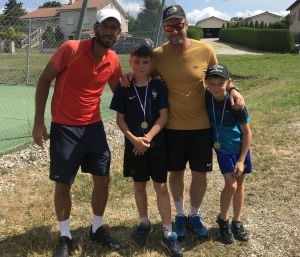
{"type": "Point", "coordinates": [126, 101]}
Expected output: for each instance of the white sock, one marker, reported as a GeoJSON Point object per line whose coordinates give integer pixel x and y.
{"type": "Point", "coordinates": [167, 230]}
{"type": "Point", "coordinates": [179, 207]}
{"type": "Point", "coordinates": [64, 227]}
{"type": "Point", "coordinates": [97, 223]}
{"type": "Point", "coordinates": [145, 220]}
{"type": "Point", "coordinates": [193, 211]}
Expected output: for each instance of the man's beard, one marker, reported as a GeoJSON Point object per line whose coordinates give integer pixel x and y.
{"type": "Point", "coordinates": [176, 41]}
{"type": "Point", "coordinates": [103, 43]}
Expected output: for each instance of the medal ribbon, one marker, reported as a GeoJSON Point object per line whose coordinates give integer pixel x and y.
{"type": "Point", "coordinates": [143, 107]}
{"type": "Point", "coordinates": [218, 133]}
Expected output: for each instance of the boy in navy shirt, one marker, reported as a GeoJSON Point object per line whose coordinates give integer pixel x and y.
{"type": "Point", "coordinates": [141, 115]}
{"type": "Point", "coordinates": [231, 141]}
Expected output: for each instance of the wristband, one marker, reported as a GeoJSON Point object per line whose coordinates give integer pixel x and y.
{"type": "Point", "coordinates": [235, 88]}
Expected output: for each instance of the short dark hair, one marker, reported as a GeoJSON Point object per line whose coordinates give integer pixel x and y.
{"type": "Point", "coordinates": [141, 50]}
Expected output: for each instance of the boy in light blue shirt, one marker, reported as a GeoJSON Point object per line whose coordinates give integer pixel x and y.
{"type": "Point", "coordinates": [231, 140]}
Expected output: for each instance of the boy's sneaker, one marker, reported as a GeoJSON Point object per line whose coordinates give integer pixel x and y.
{"type": "Point", "coordinates": [180, 225]}
{"type": "Point", "coordinates": [65, 247]}
{"type": "Point", "coordinates": [172, 245]}
{"type": "Point", "coordinates": [239, 231]}
{"type": "Point", "coordinates": [196, 224]}
{"type": "Point", "coordinates": [225, 231]}
{"type": "Point", "coordinates": [141, 235]}
{"type": "Point", "coordinates": [102, 236]}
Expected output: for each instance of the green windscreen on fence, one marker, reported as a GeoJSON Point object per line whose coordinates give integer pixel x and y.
{"type": "Point", "coordinates": [30, 32]}
{"type": "Point", "coordinates": [17, 114]}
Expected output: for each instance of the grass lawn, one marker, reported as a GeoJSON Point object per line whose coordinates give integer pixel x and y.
{"type": "Point", "coordinates": [270, 85]}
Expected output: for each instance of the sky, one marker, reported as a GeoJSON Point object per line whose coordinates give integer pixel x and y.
{"type": "Point", "coordinates": [196, 10]}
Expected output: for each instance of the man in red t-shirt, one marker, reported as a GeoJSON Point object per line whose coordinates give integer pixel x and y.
{"type": "Point", "coordinates": [77, 138]}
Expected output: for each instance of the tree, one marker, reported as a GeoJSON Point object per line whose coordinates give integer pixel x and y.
{"type": "Point", "coordinates": [251, 24]}
{"type": "Point", "coordinates": [279, 25]}
{"type": "Point", "coordinates": [237, 19]}
{"type": "Point", "coordinates": [48, 34]}
{"type": "Point", "coordinates": [223, 26]}
{"type": "Point", "coordinates": [262, 25]}
{"type": "Point", "coordinates": [247, 24]}
{"type": "Point", "coordinates": [256, 25]}
{"type": "Point", "coordinates": [286, 20]}
{"type": "Point", "coordinates": [270, 25]}
{"type": "Point", "coordinates": [58, 35]}
{"type": "Point", "coordinates": [266, 25]}
{"type": "Point", "coordinates": [13, 9]}
{"type": "Point", "coordinates": [147, 19]}
{"type": "Point", "coordinates": [131, 23]}
{"type": "Point", "coordinates": [50, 4]}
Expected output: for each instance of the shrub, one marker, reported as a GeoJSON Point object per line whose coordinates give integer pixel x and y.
{"type": "Point", "coordinates": [11, 33]}
{"type": "Point", "coordinates": [195, 32]}
{"type": "Point", "coordinates": [272, 40]}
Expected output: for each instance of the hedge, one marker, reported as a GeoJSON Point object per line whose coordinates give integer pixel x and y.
{"type": "Point", "coordinates": [195, 33]}
{"type": "Point", "coordinates": [270, 40]}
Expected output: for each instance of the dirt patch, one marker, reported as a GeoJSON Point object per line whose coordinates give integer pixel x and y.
{"type": "Point", "coordinates": [229, 48]}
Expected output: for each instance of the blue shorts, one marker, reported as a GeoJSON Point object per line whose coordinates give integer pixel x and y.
{"type": "Point", "coordinates": [228, 161]}
{"type": "Point", "coordinates": [75, 146]}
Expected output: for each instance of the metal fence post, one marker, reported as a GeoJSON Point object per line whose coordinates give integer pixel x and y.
{"type": "Point", "coordinates": [28, 53]}
{"type": "Point", "coordinates": [81, 17]}
{"type": "Point", "coordinates": [159, 23]}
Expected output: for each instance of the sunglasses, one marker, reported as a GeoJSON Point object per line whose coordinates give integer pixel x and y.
{"type": "Point", "coordinates": [178, 27]}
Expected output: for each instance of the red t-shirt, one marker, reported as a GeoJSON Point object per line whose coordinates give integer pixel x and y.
{"type": "Point", "coordinates": [79, 84]}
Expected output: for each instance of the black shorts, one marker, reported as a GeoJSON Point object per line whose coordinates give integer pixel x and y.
{"type": "Point", "coordinates": [141, 167]}
{"type": "Point", "coordinates": [193, 146]}
{"type": "Point", "coordinates": [75, 146]}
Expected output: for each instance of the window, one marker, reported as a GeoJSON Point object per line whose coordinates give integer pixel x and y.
{"type": "Point", "coordinates": [70, 20]}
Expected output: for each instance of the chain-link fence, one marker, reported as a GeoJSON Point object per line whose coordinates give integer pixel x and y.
{"type": "Point", "coordinates": [32, 30]}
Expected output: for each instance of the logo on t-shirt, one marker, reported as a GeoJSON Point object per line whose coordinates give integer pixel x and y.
{"type": "Point", "coordinates": [154, 94]}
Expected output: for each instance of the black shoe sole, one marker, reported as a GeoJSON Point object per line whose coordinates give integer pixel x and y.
{"type": "Point", "coordinates": [226, 241]}
{"type": "Point", "coordinates": [240, 238]}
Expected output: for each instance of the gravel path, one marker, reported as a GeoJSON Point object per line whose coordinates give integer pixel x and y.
{"type": "Point", "coordinates": [34, 155]}
{"type": "Point", "coordinates": [229, 48]}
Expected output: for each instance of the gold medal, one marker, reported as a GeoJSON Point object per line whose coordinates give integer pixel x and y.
{"type": "Point", "coordinates": [144, 125]}
{"type": "Point", "coordinates": [217, 145]}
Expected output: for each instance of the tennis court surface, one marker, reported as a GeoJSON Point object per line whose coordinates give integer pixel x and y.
{"type": "Point", "coordinates": [17, 115]}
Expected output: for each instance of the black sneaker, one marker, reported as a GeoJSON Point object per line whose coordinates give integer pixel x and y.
{"type": "Point", "coordinates": [172, 245]}
{"type": "Point", "coordinates": [141, 235]}
{"type": "Point", "coordinates": [225, 231]}
{"type": "Point", "coordinates": [239, 231]}
{"type": "Point", "coordinates": [65, 247]}
{"type": "Point", "coordinates": [102, 236]}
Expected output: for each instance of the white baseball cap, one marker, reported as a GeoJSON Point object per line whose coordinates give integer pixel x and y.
{"type": "Point", "coordinates": [108, 13]}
